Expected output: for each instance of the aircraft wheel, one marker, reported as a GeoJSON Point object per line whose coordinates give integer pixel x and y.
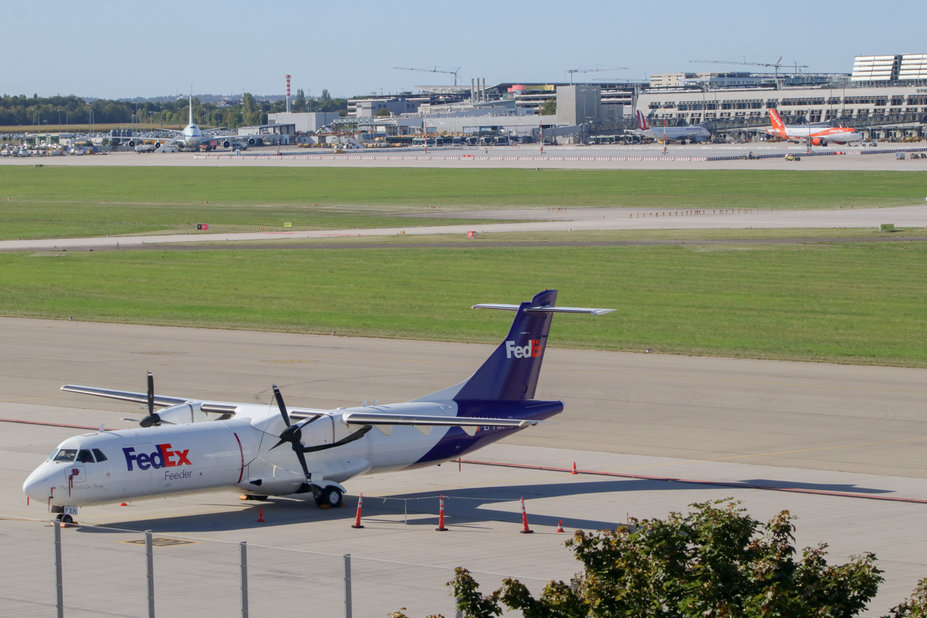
{"type": "Point", "coordinates": [329, 497]}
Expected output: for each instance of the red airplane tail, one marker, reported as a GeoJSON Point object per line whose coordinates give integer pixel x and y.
{"type": "Point", "coordinates": [642, 121]}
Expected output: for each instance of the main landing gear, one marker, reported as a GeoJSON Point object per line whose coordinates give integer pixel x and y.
{"type": "Point", "coordinates": [328, 497]}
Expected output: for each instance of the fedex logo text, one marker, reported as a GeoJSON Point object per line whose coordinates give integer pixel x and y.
{"type": "Point", "coordinates": [162, 457]}
{"type": "Point", "coordinates": [531, 350]}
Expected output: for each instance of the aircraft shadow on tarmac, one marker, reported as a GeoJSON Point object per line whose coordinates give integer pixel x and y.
{"type": "Point", "coordinates": [468, 507]}
{"type": "Point", "coordinates": [836, 488]}
{"type": "Point", "coordinates": [462, 506]}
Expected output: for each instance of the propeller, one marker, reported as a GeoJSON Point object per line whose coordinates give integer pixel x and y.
{"type": "Point", "coordinates": [292, 434]}
{"type": "Point", "coordinates": [153, 418]}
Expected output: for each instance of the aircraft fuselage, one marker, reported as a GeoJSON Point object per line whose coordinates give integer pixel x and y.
{"type": "Point", "coordinates": [101, 467]}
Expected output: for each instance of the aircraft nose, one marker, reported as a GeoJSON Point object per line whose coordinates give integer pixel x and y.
{"type": "Point", "coordinates": [37, 484]}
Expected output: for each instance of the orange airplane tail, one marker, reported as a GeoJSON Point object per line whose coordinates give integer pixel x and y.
{"type": "Point", "coordinates": [777, 124]}
{"type": "Point", "coordinates": [642, 122]}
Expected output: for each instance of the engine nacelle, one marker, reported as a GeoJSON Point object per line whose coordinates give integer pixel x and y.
{"type": "Point", "coordinates": [226, 144]}
{"type": "Point", "coordinates": [182, 414]}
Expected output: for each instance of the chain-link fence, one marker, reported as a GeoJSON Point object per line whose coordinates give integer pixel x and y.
{"type": "Point", "coordinates": [99, 571]}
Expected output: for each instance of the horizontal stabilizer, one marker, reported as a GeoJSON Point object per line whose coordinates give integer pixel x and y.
{"type": "Point", "coordinates": [544, 309]}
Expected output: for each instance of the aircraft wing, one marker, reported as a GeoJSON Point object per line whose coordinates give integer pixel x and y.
{"type": "Point", "coordinates": [375, 418]}
{"type": "Point", "coordinates": [161, 401]}
{"type": "Point", "coordinates": [166, 134]}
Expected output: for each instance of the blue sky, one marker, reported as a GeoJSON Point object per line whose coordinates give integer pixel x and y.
{"type": "Point", "coordinates": [114, 49]}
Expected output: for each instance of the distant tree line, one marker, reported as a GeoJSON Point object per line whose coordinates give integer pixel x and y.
{"type": "Point", "coordinates": [62, 111]}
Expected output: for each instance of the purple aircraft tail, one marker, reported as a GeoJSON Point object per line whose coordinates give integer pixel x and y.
{"type": "Point", "coordinates": [511, 372]}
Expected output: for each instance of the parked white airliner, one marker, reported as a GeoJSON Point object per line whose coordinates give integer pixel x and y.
{"type": "Point", "coordinates": [192, 137]}
{"type": "Point", "coordinates": [693, 133]}
{"type": "Point", "coordinates": [193, 445]}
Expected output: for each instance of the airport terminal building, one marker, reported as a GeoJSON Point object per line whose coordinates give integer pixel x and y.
{"type": "Point", "coordinates": [884, 97]}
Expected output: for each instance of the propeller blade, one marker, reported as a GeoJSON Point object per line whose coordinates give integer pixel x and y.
{"type": "Point", "coordinates": [281, 406]}
{"type": "Point", "coordinates": [292, 434]}
{"type": "Point", "coordinates": [152, 418]}
{"type": "Point", "coordinates": [297, 448]}
{"type": "Point", "coordinates": [150, 394]}
{"type": "Point", "coordinates": [357, 435]}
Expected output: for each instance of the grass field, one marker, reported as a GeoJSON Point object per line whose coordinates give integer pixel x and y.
{"type": "Point", "coordinates": [56, 202]}
{"type": "Point", "coordinates": [843, 302]}
{"type": "Point", "coordinates": [855, 302]}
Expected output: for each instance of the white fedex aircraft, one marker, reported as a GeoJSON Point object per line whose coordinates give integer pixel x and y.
{"type": "Point", "coordinates": [693, 133]}
{"type": "Point", "coordinates": [192, 445]}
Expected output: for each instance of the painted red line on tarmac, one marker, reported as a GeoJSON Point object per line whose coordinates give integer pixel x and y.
{"type": "Point", "coordinates": [730, 484]}
{"type": "Point", "coordinates": [22, 422]}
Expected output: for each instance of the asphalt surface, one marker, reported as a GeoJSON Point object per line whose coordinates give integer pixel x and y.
{"type": "Point", "coordinates": [648, 156]}
{"type": "Point", "coordinates": [841, 447]}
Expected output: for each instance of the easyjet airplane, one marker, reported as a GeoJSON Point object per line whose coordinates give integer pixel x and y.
{"type": "Point", "coordinates": [817, 135]}
{"type": "Point", "coordinates": [194, 445]}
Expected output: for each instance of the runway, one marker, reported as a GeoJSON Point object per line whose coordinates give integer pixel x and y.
{"type": "Point", "coordinates": [767, 156]}
{"type": "Point", "coordinates": [533, 220]}
{"type": "Point", "coordinates": [842, 447]}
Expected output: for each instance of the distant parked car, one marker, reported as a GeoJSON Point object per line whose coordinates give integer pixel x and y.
{"type": "Point", "coordinates": [899, 155]}
{"type": "Point", "coordinates": [792, 157]}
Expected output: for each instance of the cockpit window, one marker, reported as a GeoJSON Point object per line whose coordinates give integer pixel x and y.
{"type": "Point", "coordinates": [99, 454]}
{"type": "Point", "coordinates": [65, 454]}
{"type": "Point", "coordinates": [84, 456]}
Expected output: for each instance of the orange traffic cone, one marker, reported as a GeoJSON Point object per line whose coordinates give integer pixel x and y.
{"type": "Point", "coordinates": [524, 519]}
{"type": "Point", "coordinates": [260, 516]}
{"type": "Point", "coordinates": [441, 527]}
{"type": "Point", "coordinates": [560, 526]}
{"type": "Point", "coordinates": [357, 517]}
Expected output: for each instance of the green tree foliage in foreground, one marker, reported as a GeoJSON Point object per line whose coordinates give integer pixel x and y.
{"type": "Point", "coordinates": [712, 561]}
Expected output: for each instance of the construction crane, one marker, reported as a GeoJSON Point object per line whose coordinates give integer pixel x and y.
{"type": "Point", "coordinates": [775, 65]}
{"type": "Point", "coordinates": [454, 71]}
{"type": "Point", "coordinates": [574, 71]}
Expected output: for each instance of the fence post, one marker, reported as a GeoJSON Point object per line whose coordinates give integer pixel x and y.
{"type": "Point", "coordinates": [244, 579]}
{"type": "Point", "coordinates": [58, 573]}
{"type": "Point", "coordinates": [149, 555]}
{"type": "Point", "coordinates": [347, 586]}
